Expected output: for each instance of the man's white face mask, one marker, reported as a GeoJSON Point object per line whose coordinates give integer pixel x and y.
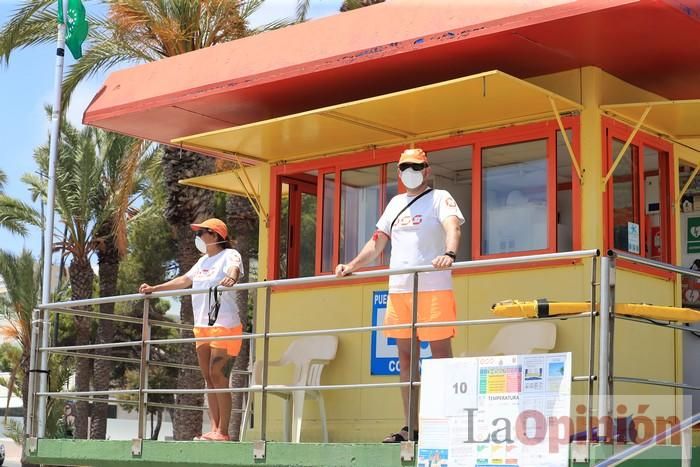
{"type": "Point", "coordinates": [412, 178]}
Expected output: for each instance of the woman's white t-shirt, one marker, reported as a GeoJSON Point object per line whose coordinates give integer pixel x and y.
{"type": "Point", "coordinates": [418, 237]}
{"type": "Point", "coordinates": [207, 272]}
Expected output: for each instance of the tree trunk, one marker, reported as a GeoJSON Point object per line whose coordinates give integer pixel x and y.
{"type": "Point", "coordinates": [186, 205]}
{"type": "Point", "coordinates": [108, 261]}
{"type": "Point", "coordinates": [240, 214]}
{"type": "Point", "coordinates": [159, 421]}
{"type": "Point", "coordinates": [81, 277]}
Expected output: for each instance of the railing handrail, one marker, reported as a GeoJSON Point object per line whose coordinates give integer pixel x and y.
{"type": "Point", "coordinates": [308, 332]}
{"type": "Point", "coordinates": [653, 263]}
{"type": "Point", "coordinates": [473, 264]}
{"type": "Point", "coordinates": [639, 448]}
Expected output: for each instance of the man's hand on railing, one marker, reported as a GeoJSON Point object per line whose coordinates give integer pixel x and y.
{"type": "Point", "coordinates": [442, 261]}
{"type": "Point", "coordinates": [342, 270]}
{"type": "Point", "coordinates": [145, 288]}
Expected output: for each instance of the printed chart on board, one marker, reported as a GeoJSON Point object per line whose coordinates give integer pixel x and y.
{"type": "Point", "coordinates": [503, 411]}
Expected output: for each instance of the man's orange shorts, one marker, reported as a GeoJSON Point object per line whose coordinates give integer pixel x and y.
{"type": "Point", "coordinates": [433, 306]}
{"type": "Point", "coordinates": [233, 346]}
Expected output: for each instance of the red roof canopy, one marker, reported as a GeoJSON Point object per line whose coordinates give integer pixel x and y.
{"type": "Point", "coordinates": [654, 44]}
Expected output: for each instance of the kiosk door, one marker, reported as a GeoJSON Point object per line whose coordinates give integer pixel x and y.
{"type": "Point", "coordinates": [297, 228]}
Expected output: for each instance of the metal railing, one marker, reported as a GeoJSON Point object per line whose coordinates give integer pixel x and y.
{"type": "Point", "coordinates": [633, 451]}
{"type": "Point", "coordinates": [607, 320]}
{"type": "Point", "coordinates": [37, 403]}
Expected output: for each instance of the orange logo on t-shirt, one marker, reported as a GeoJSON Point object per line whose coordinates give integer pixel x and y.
{"type": "Point", "coordinates": [450, 202]}
{"type": "Point", "coordinates": [410, 220]}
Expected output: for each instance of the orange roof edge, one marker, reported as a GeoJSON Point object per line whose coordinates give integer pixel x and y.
{"type": "Point", "coordinates": [397, 27]}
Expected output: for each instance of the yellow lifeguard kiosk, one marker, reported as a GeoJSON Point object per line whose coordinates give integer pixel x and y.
{"type": "Point", "coordinates": [557, 126]}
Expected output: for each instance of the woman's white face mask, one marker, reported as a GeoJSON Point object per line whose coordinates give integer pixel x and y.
{"type": "Point", "coordinates": [412, 178]}
{"type": "Point", "coordinates": [200, 244]}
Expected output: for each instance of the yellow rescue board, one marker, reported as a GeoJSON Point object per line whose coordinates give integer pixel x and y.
{"type": "Point", "coordinates": [544, 308]}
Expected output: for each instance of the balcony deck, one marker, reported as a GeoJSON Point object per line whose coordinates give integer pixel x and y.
{"type": "Point", "coordinates": [188, 453]}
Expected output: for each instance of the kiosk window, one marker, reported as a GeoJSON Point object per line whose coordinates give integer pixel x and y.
{"type": "Point", "coordinates": [515, 187]}
{"type": "Point", "coordinates": [514, 198]}
{"type": "Point", "coordinates": [638, 194]}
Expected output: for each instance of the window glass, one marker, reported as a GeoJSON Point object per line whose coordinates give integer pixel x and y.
{"type": "Point", "coordinates": [307, 239]}
{"type": "Point", "coordinates": [284, 231]}
{"type": "Point", "coordinates": [625, 196]}
{"type": "Point", "coordinates": [327, 234]}
{"type": "Point", "coordinates": [565, 176]}
{"type": "Point", "coordinates": [514, 197]}
{"type": "Point", "coordinates": [653, 247]}
{"type": "Point", "coordinates": [359, 209]}
{"type": "Point", "coordinates": [452, 171]}
{"type": "Point", "coordinates": [391, 190]}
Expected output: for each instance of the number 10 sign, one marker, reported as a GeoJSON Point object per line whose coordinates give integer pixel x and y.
{"type": "Point", "coordinates": [461, 386]}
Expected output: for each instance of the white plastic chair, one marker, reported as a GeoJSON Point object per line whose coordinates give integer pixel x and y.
{"type": "Point", "coordinates": [308, 355]}
{"type": "Point", "coordinates": [522, 338]}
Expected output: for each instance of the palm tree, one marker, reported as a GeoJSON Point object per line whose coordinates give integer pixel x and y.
{"type": "Point", "coordinates": [77, 204]}
{"type": "Point", "coordinates": [239, 213]}
{"type": "Point", "coordinates": [122, 159]}
{"type": "Point", "coordinates": [22, 279]}
{"type": "Point", "coordinates": [15, 215]}
{"type": "Point", "coordinates": [137, 31]}
{"type": "Point", "coordinates": [98, 175]}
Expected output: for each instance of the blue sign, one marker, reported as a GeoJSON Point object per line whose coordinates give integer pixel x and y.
{"type": "Point", "coordinates": [384, 357]}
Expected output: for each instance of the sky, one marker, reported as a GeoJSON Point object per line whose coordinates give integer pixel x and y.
{"type": "Point", "coordinates": [27, 85]}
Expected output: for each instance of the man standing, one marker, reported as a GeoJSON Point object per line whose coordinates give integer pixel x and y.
{"type": "Point", "coordinates": [423, 225]}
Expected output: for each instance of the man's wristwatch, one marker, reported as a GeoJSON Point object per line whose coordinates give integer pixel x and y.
{"type": "Point", "coordinates": [452, 255]}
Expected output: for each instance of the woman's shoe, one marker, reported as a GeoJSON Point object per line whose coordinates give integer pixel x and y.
{"type": "Point", "coordinates": [216, 436]}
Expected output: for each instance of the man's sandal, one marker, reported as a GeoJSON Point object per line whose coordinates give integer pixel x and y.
{"type": "Point", "coordinates": [400, 436]}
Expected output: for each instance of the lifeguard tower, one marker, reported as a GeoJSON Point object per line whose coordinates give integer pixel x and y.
{"type": "Point", "coordinates": [558, 126]}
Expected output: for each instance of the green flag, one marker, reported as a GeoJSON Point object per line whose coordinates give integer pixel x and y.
{"type": "Point", "coordinates": [76, 26]}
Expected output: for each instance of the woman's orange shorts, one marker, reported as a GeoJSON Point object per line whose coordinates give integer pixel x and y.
{"type": "Point", "coordinates": [233, 346]}
{"type": "Point", "coordinates": [433, 306]}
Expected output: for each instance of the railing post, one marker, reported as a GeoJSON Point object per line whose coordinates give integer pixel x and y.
{"type": "Point", "coordinates": [251, 360]}
{"type": "Point", "coordinates": [143, 372]}
{"type": "Point", "coordinates": [606, 290]}
{"type": "Point", "coordinates": [591, 356]}
{"type": "Point", "coordinates": [266, 360]}
{"type": "Point", "coordinates": [43, 374]}
{"type": "Point", "coordinates": [30, 423]}
{"type": "Point", "coordinates": [415, 359]}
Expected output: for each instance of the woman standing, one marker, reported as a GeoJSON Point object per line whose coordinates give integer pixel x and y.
{"type": "Point", "coordinates": [219, 265]}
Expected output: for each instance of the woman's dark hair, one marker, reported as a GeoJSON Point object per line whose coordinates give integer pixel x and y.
{"type": "Point", "coordinates": [224, 242]}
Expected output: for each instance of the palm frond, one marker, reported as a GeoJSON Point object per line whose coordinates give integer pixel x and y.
{"type": "Point", "coordinates": [16, 215]}
{"type": "Point", "coordinates": [303, 10]}
{"type": "Point", "coordinates": [246, 8]}
{"type": "Point", "coordinates": [129, 165]}
{"type": "Point", "coordinates": [22, 282]}
{"type": "Point", "coordinates": [33, 22]}
{"type": "Point", "coordinates": [272, 25]}
{"type": "Point", "coordinates": [102, 55]}
{"type": "Point", "coordinates": [3, 180]}
{"type": "Point", "coordinates": [35, 184]}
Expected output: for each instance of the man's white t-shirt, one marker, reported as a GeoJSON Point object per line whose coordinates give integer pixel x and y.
{"type": "Point", "coordinates": [208, 272]}
{"type": "Point", "coordinates": [418, 237]}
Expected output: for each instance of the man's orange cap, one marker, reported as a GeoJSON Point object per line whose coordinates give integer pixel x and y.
{"type": "Point", "coordinates": [413, 156]}
{"type": "Point", "coordinates": [213, 224]}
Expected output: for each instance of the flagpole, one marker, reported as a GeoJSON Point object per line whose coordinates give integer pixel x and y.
{"type": "Point", "coordinates": [48, 233]}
